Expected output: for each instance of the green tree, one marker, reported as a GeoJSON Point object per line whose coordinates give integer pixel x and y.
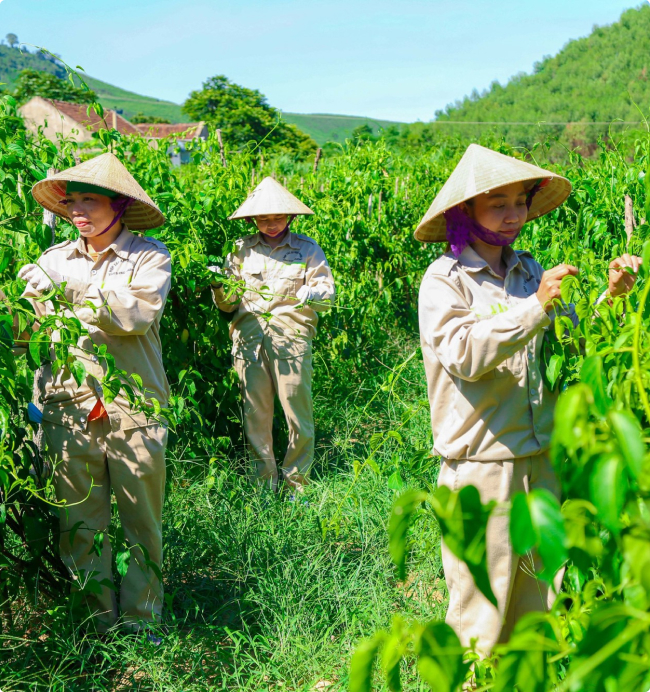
{"type": "Point", "coordinates": [363, 133]}
{"type": "Point", "coordinates": [244, 117]}
{"type": "Point", "coordinates": [12, 40]}
{"type": "Point", "coordinates": [33, 83]}
{"type": "Point", "coordinates": [153, 119]}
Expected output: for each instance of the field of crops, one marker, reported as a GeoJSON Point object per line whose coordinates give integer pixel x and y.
{"type": "Point", "coordinates": [266, 594]}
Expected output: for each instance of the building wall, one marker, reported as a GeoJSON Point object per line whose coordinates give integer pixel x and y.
{"type": "Point", "coordinates": [37, 112]}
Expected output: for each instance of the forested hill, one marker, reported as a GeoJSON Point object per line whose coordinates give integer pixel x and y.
{"type": "Point", "coordinates": [599, 78]}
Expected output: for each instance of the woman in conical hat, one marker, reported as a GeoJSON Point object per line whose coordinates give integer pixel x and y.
{"type": "Point", "coordinates": [286, 281]}
{"type": "Point", "coordinates": [483, 311]}
{"type": "Point", "coordinates": [116, 283]}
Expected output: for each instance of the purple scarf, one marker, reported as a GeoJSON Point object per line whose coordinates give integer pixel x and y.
{"type": "Point", "coordinates": [463, 230]}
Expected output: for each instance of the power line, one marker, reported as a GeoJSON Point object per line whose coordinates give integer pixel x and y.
{"type": "Point", "coordinates": [538, 122]}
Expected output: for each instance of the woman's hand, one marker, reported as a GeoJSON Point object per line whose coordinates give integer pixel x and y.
{"type": "Point", "coordinates": [40, 281]}
{"type": "Point", "coordinates": [549, 286]}
{"type": "Point", "coordinates": [620, 279]}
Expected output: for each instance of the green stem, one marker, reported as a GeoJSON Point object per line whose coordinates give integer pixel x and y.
{"type": "Point", "coordinates": [636, 344]}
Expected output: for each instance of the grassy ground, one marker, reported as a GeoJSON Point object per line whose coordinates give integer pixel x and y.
{"type": "Point", "coordinates": [263, 593]}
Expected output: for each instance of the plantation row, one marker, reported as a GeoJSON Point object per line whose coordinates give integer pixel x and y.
{"type": "Point", "coordinates": [367, 202]}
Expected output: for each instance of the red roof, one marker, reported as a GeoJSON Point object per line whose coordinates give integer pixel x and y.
{"type": "Point", "coordinates": [78, 112]}
{"type": "Point", "coordinates": [160, 130]}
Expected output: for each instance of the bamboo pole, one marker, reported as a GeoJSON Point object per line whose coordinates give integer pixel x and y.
{"type": "Point", "coordinates": [319, 152]}
{"type": "Point", "coordinates": [49, 217]}
{"type": "Point", "coordinates": [630, 222]}
{"type": "Point", "coordinates": [370, 205]}
{"type": "Point", "coordinates": [221, 150]}
{"type": "Point", "coordinates": [379, 208]}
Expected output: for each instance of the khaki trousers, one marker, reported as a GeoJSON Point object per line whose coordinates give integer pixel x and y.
{"type": "Point", "coordinates": [87, 465]}
{"type": "Point", "coordinates": [470, 614]}
{"type": "Point", "coordinates": [290, 380]}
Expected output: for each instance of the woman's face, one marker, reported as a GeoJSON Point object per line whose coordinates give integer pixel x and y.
{"type": "Point", "coordinates": [502, 210]}
{"type": "Point", "coordinates": [271, 224]}
{"type": "Point", "coordinates": [89, 212]}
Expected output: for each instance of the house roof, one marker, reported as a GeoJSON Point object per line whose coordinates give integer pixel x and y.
{"type": "Point", "coordinates": [78, 112]}
{"type": "Point", "coordinates": [160, 130]}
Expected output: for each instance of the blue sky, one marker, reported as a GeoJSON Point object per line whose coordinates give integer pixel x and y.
{"type": "Point", "coordinates": [399, 60]}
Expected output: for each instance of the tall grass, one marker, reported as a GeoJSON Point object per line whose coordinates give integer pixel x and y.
{"type": "Point", "coordinates": [262, 592]}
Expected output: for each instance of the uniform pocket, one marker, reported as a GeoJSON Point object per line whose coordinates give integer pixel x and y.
{"type": "Point", "coordinates": [290, 278]}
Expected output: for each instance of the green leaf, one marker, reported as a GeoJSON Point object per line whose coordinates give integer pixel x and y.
{"type": "Point", "coordinates": [400, 520]}
{"type": "Point", "coordinates": [78, 370]}
{"type": "Point", "coordinates": [592, 374]}
{"type": "Point", "coordinates": [122, 560]}
{"type": "Point", "coordinates": [630, 440]}
{"type": "Point", "coordinates": [522, 532]}
{"type": "Point", "coordinates": [523, 664]}
{"type": "Point", "coordinates": [362, 664]}
{"type": "Point", "coordinates": [395, 482]}
{"type": "Point", "coordinates": [391, 657]}
{"type": "Point", "coordinates": [98, 544]}
{"type": "Point", "coordinates": [463, 523]}
{"type": "Point", "coordinates": [608, 487]}
{"type": "Point", "coordinates": [440, 658]}
{"type": "Point", "coordinates": [554, 370]}
{"type": "Point", "coordinates": [546, 518]}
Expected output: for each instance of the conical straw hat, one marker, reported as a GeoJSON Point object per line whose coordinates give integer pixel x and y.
{"type": "Point", "coordinates": [479, 171]}
{"type": "Point", "coordinates": [108, 172]}
{"type": "Point", "coordinates": [269, 197]}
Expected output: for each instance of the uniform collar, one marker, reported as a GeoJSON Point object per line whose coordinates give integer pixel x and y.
{"type": "Point", "coordinates": [289, 239]}
{"type": "Point", "coordinates": [120, 246]}
{"type": "Point", "coordinates": [472, 262]}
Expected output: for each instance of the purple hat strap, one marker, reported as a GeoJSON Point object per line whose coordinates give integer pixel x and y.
{"type": "Point", "coordinates": [119, 205]}
{"type": "Point", "coordinates": [462, 229]}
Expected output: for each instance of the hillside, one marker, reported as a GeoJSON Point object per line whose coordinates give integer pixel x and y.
{"type": "Point", "coordinates": [599, 78]}
{"type": "Point", "coordinates": [13, 60]}
{"type": "Point", "coordinates": [130, 103]}
{"type": "Point", "coordinates": [332, 128]}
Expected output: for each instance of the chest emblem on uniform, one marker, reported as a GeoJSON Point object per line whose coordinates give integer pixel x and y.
{"type": "Point", "coordinates": [292, 256]}
{"type": "Point", "coordinates": [119, 267]}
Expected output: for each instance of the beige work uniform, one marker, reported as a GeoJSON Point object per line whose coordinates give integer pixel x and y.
{"type": "Point", "coordinates": [491, 418]}
{"type": "Point", "coordinates": [127, 285]}
{"type": "Point", "coordinates": [272, 339]}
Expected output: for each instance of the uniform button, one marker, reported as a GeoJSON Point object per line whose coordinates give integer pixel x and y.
{"type": "Point", "coordinates": [93, 272]}
{"type": "Point", "coordinates": [82, 420]}
{"type": "Point", "coordinates": [94, 359]}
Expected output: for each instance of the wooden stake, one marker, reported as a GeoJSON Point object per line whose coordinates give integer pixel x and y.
{"type": "Point", "coordinates": [319, 152]}
{"type": "Point", "coordinates": [302, 182]}
{"type": "Point", "coordinates": [396, 186]}
{"type": "Point", "coordinates": [379, 208]}
{"type": "Point", "coordinates": [49, 218]}
{"type": "Point", "coordinates": [630, 222]}
{"type": "Point", "coordinates": [370, 205]}
{"type": "Point", "coordinates": [221, 150]}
